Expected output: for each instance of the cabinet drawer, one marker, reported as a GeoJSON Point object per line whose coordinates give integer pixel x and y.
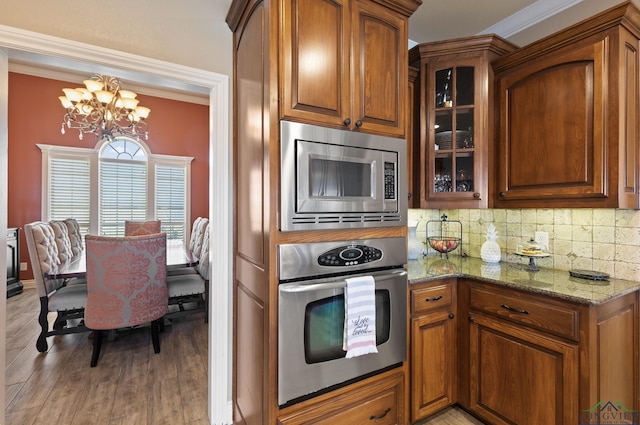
{"type": "Point", "coordinates": [554, 319]}
{"type": "Point", "coordinates": [432, 298]}
{"type": "Point", "coordinates": [379, 404]}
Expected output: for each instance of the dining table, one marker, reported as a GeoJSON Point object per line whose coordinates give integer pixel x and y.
{"type": "Point", "coordinates": [178, 255]}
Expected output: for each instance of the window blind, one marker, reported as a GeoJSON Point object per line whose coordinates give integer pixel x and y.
{"type": "Point", "coordinates": [171, 200]}
{"type": "Point", "coordinates": [69, 190]}
{"type": "Point", "coordinates": [123, 195]}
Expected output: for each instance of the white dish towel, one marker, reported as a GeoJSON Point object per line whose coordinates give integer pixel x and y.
{"type": "Point", "coordinates": [359, 316]}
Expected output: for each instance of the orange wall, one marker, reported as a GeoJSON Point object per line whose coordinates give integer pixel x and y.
{"type": "Point", "coordinates": [35, 116]}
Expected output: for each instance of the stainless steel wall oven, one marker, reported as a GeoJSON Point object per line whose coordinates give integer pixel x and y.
{"type": "Point", "coordinates": [311, 313]}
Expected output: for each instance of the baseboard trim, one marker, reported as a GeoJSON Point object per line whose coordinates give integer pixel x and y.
{"type": "Point", "coordinates": [28, 284]}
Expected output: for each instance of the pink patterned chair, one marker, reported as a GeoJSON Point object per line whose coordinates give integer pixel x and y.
{"type": "Point", "coordinates": [138, 228]}
{"type": "Point", "coordinates": [126, 285]}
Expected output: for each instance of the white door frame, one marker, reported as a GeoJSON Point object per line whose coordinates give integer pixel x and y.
{"type": "Point", "coordinates": [53, 52]}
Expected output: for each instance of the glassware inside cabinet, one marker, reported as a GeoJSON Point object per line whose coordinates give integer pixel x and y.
{"type": "Point", "coordinates": [444, 88]}
{"type": "Point", "coordinates": [442, 181]}
{"type": "Point", "coordinates": [464, 172]}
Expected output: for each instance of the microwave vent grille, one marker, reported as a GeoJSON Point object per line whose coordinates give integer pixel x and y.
{"type": "Point", "coordinates": [336, 221]}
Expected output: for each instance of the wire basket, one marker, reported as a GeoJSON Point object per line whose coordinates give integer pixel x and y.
{"type": "Point", "coordinates": [444, 236]}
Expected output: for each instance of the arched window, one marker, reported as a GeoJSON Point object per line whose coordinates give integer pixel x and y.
{"type": "Point", "coordinates": [118, 180]}
{"type": "Point", "coordinates": [123, 185]}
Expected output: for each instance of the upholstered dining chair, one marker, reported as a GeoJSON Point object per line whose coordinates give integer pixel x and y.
{"type": "Point", "coordinates": [195, 246]}
{"type": "Point", "coordinates": [187, 290]}
{"type": "Point", "coordinates": [75, 237]}
{"type": "Point", "coordinates": [67, 302]}
{"type": "Point", "coordinates": [137, 228]}
{"type": "Point", "coordinates": [126, 285]}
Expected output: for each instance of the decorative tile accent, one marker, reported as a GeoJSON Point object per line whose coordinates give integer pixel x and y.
{"type": "Point", "coordinates": [606, 240]}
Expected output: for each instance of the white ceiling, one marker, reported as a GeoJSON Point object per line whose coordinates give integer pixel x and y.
{"type": "Point", "coordinates": [519, 21]}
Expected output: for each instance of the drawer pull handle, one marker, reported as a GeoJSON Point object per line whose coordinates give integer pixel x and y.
{"type": "Point", "coordinates": [517, 310]}
{"type": "Point", "coordinates": [374, 417]}
{"type": "Point", "coordinates": [439, 297]}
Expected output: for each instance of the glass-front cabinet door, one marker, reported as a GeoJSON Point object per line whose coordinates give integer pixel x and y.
{"type": "Point", "coordinates": [456, 135]}
{"type": "Point", "coordinates": [451, 172]}
{"type": "Point", "coordinates": [453, 130]}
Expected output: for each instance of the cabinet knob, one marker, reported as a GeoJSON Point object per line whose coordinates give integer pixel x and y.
{"type": "Point", "coordinates": [358, 123]}
{"type": "Point", "coordinates": [347, 121]}
{"type": "Point", "coordinates": [502, 194]}
{"type": "Point", "coordinates": [471, 319]}
{"type": "Point", "coordinates": [476, 195]}
{"type": "Point", "coordinates": [451, 316]}
{"type": "Point", "coordinates": [409, 195]}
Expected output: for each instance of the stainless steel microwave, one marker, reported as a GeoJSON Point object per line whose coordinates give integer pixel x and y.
{"type": "Point", "coordinates": [333, 178]}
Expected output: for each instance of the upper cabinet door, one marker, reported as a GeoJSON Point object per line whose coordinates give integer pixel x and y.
{"type": "Point", "coordinates": [379, 69]}
{"type": "Point", "coordinates": [344, 64]}
{"type": "Point", "coordinates": [315, 61]}
{"type": "Point", "coordinates": [567, 117]}
{"type": "Point", "coordinates": [552, 132]}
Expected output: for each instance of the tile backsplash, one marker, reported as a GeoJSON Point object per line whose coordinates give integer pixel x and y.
{"type": "Point", "coordinates": [605, 240]}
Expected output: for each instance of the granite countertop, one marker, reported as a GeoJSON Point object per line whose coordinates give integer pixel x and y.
{"type": "Point", "coordinates": [551, 282]}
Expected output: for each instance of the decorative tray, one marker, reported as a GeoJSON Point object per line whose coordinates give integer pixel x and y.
{"type": "Point", "coordinates": [537, 255]}
{"type": "Point", "coordinates": [589, 274]}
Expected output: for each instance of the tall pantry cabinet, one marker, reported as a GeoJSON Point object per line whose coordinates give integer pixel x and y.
{"type": "Point", "coordinates": [336, 63]}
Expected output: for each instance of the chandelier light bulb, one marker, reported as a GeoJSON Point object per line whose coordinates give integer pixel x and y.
{"type": "Point", "coordinates": [72, 94]}
{"type": "Point", "coordinates": [103, 108]}
{"type": "Point", "coordinates": [127, 94]}
{"type": "Point", "coordinates": [142, 111]}
{"type": "Point", "coordinates": [93, 85]}
{"type": "Point", "coordinates": [65, 102]}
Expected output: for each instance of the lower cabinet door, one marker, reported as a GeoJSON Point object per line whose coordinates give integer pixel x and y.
{"type": "Point", "coordinates": [381, 403]}
{"type": "Point", "coordinates": [433, 363]}
{"type": "Point", "coordinates": [521, 376]}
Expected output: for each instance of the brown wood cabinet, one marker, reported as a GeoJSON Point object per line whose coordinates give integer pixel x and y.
{"type": "Point", "coordinates": [433, 347]}
{"type": "Point", "coordinates": [455, 106]}
{"type": "Point", "coordinates": [534, 359]}
{"type": "Point", "coordinates": [413, 129]}
{"type": "Point", "coordinates": [343, 64]}
{"type": "Point", "coordinates": [316, 61]}
{"type": "Point", "coordinates": [382, 402]}
{"type": "Point", "coordinates": [567, 117]}
{"type": "Point", "coordinates": [520, 372]}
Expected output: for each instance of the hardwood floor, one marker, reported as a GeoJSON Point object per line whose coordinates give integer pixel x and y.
{"type": "Point", "coordinates": [130, 384]}
{"type": "Point", "coordinates": [452, 416]}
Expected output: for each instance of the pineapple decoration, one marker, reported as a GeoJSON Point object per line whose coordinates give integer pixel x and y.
{"type": "Point", "coordinates": [490, 251]}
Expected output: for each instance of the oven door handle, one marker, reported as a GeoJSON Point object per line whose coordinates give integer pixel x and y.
{"type": "Point", "coordinates": [301, 287]}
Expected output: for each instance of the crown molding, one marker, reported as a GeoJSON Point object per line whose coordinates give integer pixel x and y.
{"type": "Point", "coordinates": [29, 51]}
{"type": "Point", "coordinates": [529, 16]}
{"type": "Point", "coordinates": [75, 76]}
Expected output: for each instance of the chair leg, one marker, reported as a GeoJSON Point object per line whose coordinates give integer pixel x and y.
{"type": "Point", "coordinates": [97, 344]}
{"type": "Point", "coordinates": [41, 344]}
{"type": "Point", "coordinates": [155, 337]}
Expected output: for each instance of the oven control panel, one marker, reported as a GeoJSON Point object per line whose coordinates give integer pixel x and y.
{"type": "Point", "coordinates": [350, 255]}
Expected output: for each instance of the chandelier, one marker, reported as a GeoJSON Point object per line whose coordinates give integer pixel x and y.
{"type": "Point", "coordinates": [104, 109]}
